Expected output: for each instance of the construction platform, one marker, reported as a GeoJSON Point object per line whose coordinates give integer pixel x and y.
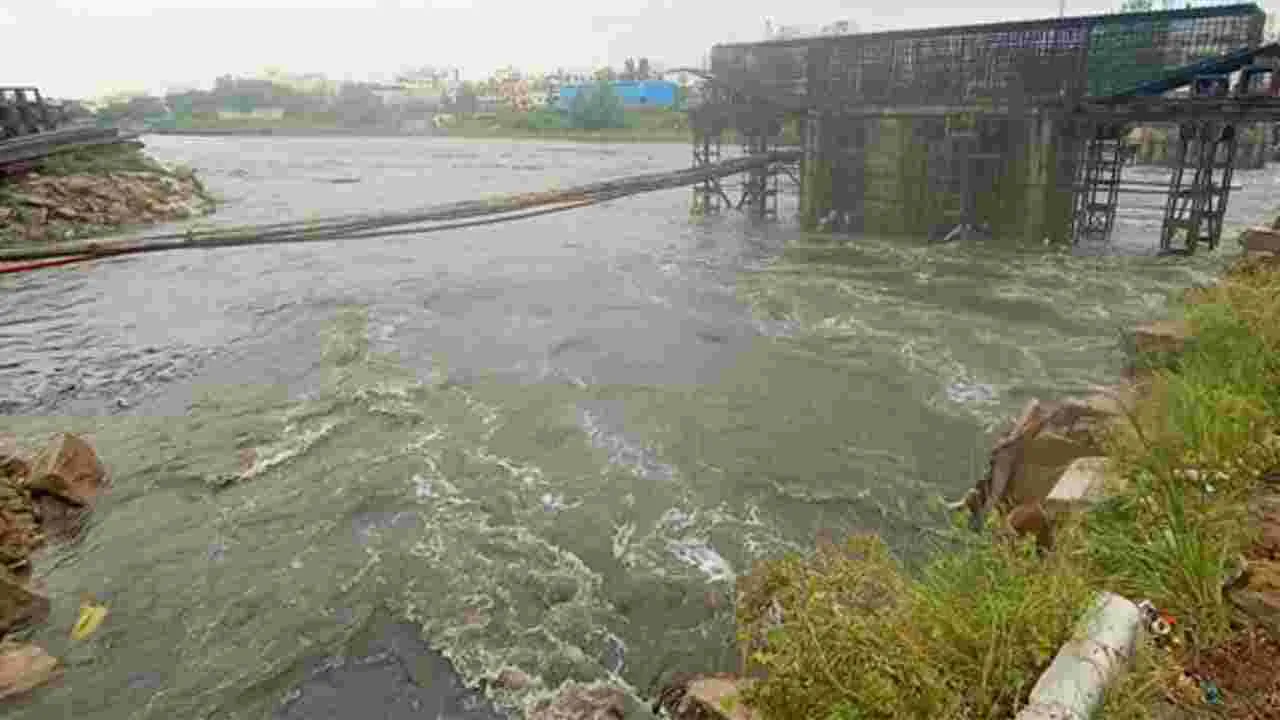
{"type": "Point", "coordinates": [1016, 127]}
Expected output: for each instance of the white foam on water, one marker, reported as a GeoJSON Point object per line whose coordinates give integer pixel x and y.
{"type": "Point", "coordinates": [555, 502]}
{"type": "Point", "coordinates": [622, 535]}
{"type": "Point", "coordinates": [290, 448]}
{"type": "Point", "coordinates": [966, 391]}
{"type": "Point", "coordinates": [676, 520]}
{"type": "Point", "coordinates": [702, 556]}
{"type": "Point", "coordinates": [622, 452]}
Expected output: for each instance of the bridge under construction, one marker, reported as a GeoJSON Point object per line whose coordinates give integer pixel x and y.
{"type": "Point", "coordinates": [1017, 128]}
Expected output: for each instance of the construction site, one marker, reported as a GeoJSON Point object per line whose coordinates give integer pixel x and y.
{"type": "Point", "coordinates": [1010, 129]}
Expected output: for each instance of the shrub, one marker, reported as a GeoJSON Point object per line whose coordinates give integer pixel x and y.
{"type": "Point", "coordinates": [598, 108]}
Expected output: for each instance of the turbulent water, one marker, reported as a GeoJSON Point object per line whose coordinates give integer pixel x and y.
{"type": "Point", "coordinates": [546, 445]}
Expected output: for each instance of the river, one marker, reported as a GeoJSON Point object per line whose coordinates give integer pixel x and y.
{"type": "Point", "coordinates": [546, 445]}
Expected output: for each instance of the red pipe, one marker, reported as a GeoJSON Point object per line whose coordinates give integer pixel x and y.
{"type": "Point", "coordinates": [6, 268]}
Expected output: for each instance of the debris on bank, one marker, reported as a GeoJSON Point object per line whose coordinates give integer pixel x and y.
{"type": "Point", "coordinates": [93, 191]}
{"type": "Point", "coordinates": [44, 498]}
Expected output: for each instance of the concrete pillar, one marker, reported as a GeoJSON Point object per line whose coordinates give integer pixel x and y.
{"type": "Point", "coordinates": [815, 175]}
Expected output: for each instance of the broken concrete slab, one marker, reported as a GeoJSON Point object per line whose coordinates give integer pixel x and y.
{"type": "Point", "coordinates": [1162, 337]}
{"type": "Point", "coordinates": [1086, 481]}
{"type": "Point", "coordinates": [1261, 239]}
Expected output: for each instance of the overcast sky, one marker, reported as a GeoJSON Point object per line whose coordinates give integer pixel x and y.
{"type": "Point", "coordinates": [84, 48]}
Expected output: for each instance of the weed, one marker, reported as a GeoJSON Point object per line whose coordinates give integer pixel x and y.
{"type": "Point", "coordinates": [93, 161]}
{"type": "Point", "coordinates": [852, 636]}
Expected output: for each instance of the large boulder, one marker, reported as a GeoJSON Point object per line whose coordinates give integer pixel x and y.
{"type": "Point", "coordinates": [19, 604]}
{"type": "Point", "coordinates": [67, 468]}
{"type": "Point", "coordinates": [20, 534]}
{"type": "Point", "coordinates": [24, 668]}
{"type": "Point", "coordinates": [1028, 460]}
{"type": "Point", "coordinates": [582, 702]}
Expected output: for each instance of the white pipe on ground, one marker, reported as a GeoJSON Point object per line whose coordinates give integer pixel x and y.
{"type": "Point", "coordinates": [1073, 686]}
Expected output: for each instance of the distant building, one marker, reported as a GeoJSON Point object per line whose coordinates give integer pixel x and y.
{"type": "Point", "coordinates": [266, 113]}
{"type": "Point", "coordinates": [634, 94]}
{"type": "Point", "coordinates": [416, 97]}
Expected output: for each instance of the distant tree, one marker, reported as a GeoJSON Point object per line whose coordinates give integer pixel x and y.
{"type": "Point", "coordinates": [358, 105]}
{"type": "Point", "coordinates": [465, 101]}
{"type": "Point", "coordinates": [597, 107]}
{"type": "Point", "coordinates": [606, 74]}
{"type": "Point", "coordinates": [628, 70]}
{"type": "Point", "coordinates": [1137, 6]}
{"type": "Point", "coordinates": [643, 71]}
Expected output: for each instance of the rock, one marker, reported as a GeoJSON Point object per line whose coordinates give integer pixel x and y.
{"type": "Point", "coordinates": [1031, 519]}
{"type": "Point", "coordinates": [33, 200]}
{"type": "Point", "coordinates": [1086, 482]}
{"type": "Point", "coordinates": [24, 668]}
{"type": "Point", "coordinates": [12, 461]}
{"type": "Point", "coordinates": [1266, 513]}
{"type": "Point", "coordinates": [1258, 596]}
{"type": "Point", "coordinates": [707, 697]}
{"type": "Point", "coordinates": [1161, 336]}
{"type": "Point", "coordinates": [68, 468]}
{"type": "Point", "coordinates": [1260, 239]}
{"type": "Point", "coordinates": [580, 702]}
{"type": "Point", "coordinates": [19, 604]}
{"type": "Point", "coordinates": [20, 533]}
{"type": "Point", "coordinates": [59, 520]}
{"type": "Point", "coordinates": [512, 679]}
{"type": "Point", "coordinates": [1027, 461]}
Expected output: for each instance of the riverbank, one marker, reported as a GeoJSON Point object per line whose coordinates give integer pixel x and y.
{"type": "Point", "coordinates": [655, 125]}
{"type": "Point", "coordinates": [1181, 507]}
{"type": "Point", "coordinates": [45, 499]}
{"type": "Point", "coordinates": [94, 191]}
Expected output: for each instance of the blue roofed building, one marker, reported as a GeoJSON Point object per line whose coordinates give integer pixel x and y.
{"type": "Point", "coordinates": [634, 93]}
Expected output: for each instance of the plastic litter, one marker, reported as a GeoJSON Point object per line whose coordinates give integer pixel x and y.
{"type": "Point", "coordinates": [91, 616]}
{"type": "Point", "coordinates": [1212, 694]}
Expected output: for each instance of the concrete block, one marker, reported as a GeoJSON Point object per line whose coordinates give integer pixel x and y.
{"type": "Point", "coordinates": [1085, 482]}
{"type": "Point", "coordinates": [1161, 336]}
{"type": "Point", "coordinates": [1261, 239]}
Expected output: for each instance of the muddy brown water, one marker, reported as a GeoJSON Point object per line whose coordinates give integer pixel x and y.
{"type": "Point", "coordinates": [546, 445]}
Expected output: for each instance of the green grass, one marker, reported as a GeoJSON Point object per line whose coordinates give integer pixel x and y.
{"type": "Point", "coordinates": [967, 634]}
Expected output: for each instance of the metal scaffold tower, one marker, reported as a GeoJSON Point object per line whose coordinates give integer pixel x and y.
{"type": "Point", "coordinates": [760, 189]}
{"type": "Point", "coordinates": [707, 195]}
{"type": "Point", "coordinates": [1097, 187]}
{"type": "Point", "coordinates": [1203, 161]}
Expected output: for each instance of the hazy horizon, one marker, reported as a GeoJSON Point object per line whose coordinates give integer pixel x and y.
{"type": "Point", "coordinates": [159, 45]}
